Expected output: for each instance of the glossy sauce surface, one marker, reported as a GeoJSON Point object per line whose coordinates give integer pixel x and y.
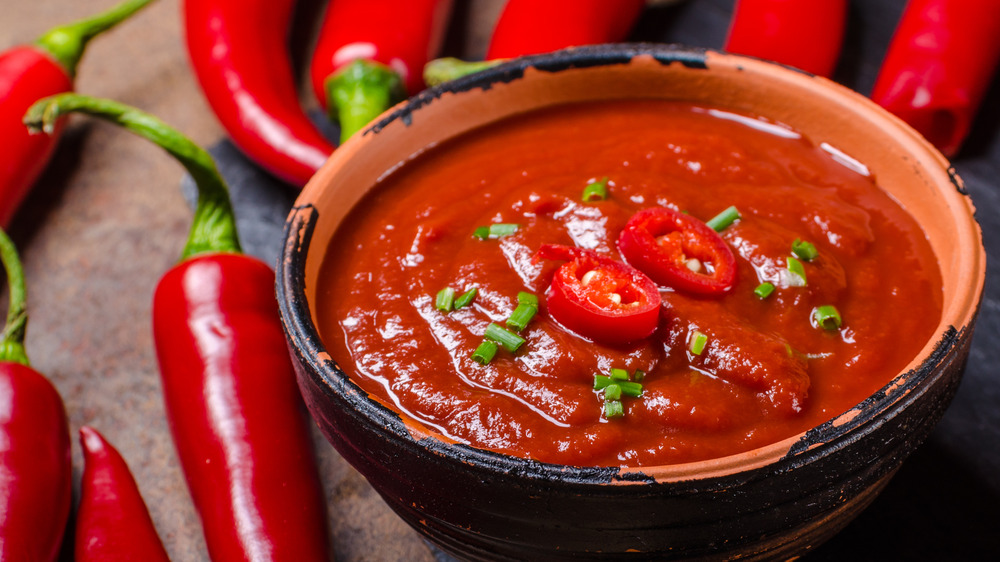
{"type": "Point", "coordinates": [766, 372]}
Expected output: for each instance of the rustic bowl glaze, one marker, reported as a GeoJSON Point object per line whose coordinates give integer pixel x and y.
{"type": "Point", "coordinates": [776, 501]}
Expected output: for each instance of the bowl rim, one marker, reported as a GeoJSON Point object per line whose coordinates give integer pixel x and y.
{"type": "Point", "coordinates": [803, 448]}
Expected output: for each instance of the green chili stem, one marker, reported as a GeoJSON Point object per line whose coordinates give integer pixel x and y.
{"type": "Point", "coordinates": [360, 92]}
{"type": "Point", "coordinates": [213, 229]}
{"type": "Point", "coordinates": [66, 43]}
{"type": "Point", "coordinates": [449, 68]}
{"type": "Point", "coordinates": [12, 338]}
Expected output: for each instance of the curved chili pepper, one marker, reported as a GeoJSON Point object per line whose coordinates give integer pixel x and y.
{"type": "Point", "coordinates": [239, 52]}
{"type": "Point", "coordinates": [237, 419]}
{"type": "Point", "coordinates": [600, 298]}
{"type": "Point", "coordinates": [939, 65]}
{"type": "Point", "coordinates": [371, 53]}
{"type": "Point", "coordinates": [29, 73]}
{"type": "Point", "coordinates": [35, 466]}
{"type": "Point", "coordinates": [806, 35]}
{"type": "Point", "coordinates": [529, 27]}
{"type": "Point", "coordinates": [679, 251]}
{"type": "Point", "coordinates": [112, 521]}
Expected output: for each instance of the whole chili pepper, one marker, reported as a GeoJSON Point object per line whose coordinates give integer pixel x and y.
{"type": "Point", "coordinates": [938, 66]}
{"type": "Point", "coordinates": [236, 416]}
{"type": "Point", "coordinates": [35, 466]}
{"type": "Point", "coordinates": [371, 53]}
{"type": "Point", "coordinates": [806, 35]}
{"type": "Point", "coordinates": [529, 27]}
{"type": "Point", "coordinates": [239, 52]}
{"type": "Point", "coordinates": [29, 73]}
{"type": "Point", "coordinates": [112, 521]}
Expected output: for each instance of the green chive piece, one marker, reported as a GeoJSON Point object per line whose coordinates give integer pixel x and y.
{"type": "Point", "coordinates": [804, 250]}
{"type": "Point", "coordinates": [509, 340]}
{"type": "Point", "coordinates": [496, 230]}
{"type": "Point", "coordinates": [697, 343]}
{"type": "Point", "coordinates": [485, 352]}
{"type": "Point", "coordinates": [596, 191]}
{"type": "Point", "coordinates": [483, 232]}
{"type": "Point", "coordinates": [764, 290]}
{"type": "Point", "coordinates": [445, 299]}
{"type": "Point", "coordinates": [638, 375]}
{"type": "Point", "coordinates": [613, 409]}
{"type": "Point", "coordinates": [601, 382]}
{"type": "Point", "coordinates": [613, 392]}
{"type": "Point", "coordinates": [725, 218]}
{"type": "Point", "coordinates": [827, 317]}
{"type": "Point", "coordinates": [521, 316]}
{"type": "Point", "coordinates": [630, 388]}
{"type": "Point", "coordinates": [796, 267]}
{"type": "Point", "coordinates": [527, 298]}
{"type": "Point", "coordinates": [466, 298]}
{"type": "Point", "coordinates": [619, 374]}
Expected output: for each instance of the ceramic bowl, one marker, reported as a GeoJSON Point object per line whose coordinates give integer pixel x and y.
{"type": "Point", "coordinates": [776, 501]}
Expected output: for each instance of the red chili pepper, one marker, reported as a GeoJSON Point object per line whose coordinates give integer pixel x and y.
{"type": "Point", "coordinates": [600, 298]}
{"type": "Point", "coordinates": [371, 53]}
{"type": "Point", "coordinates": [679, 251]}
{"type": "Point", "coordinates": [29, 73]}
{"type": "Point", "coordinates": [112, 521]}
{"type": "Point", "coordinates": [238, 422]}
{"type": "Point", "coordinates": [239, 52]}
{"type": "Point", "coordinates": [35, 466]}
{"type": "Point", "coordinates": [939, 65]}
{"type": "Point", "coordinates": [806, 35]}
{"type": "Point", "coordinates": [529, 27]}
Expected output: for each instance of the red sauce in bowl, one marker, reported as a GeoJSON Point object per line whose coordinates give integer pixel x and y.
{"type": "Point", "coordinates": [766, 370]}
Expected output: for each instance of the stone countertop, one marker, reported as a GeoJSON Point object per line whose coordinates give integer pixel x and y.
{"type": "Point", "coordinates": [110, 216]}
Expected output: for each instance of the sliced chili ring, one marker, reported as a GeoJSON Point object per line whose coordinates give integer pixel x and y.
{"type": "Point", "coordinates": [679, 251]}
{"type": "Point", "coordinates": [599, 298]}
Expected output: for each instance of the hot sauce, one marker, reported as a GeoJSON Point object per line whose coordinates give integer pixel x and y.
{"type": "Point", "coordinates": [813, 294]}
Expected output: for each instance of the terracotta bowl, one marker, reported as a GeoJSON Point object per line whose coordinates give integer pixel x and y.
{"type": "Point", "coordinates": [775, 501]}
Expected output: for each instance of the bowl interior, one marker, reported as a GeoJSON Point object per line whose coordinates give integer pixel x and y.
{"type": "Point", "coordinates": [852, 128]}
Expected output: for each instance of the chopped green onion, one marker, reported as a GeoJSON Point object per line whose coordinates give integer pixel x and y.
{"type": "Point", "coordinates": [445, 299]}
{"type": "Point", "coordinates": [619, 374]}
{"type": "Point", "coordinates": [613, 392]}
{"type": "Point", "coordinates": [630, 388]}
{"type": "Point", "coordinates": [509, 340]}
{"type": "Point", "coordinates": [521, 316]}
{"type": "Point", "coordinates": [613, 409]}
{"type": "Point", "coordinates": [466, 298]}
{"type": "Point", "coordinates": [826, 317]}
{"type": "Point", "coordinates": [764, 290]}
{"type": "Point", "coordinates": [639, 375]}
{"type": "Point", "coordinates": [804, 250]}
{"type": "Point", "coordinates": [725, 218]}
{"type": "Point", "coordinates": [496, 230]}
{"type": "Point", "coordinates": [795, 267]}
{"type": "Point", "coordinates": [485, 352]}
{"type": "Point", "coordinates": [601, 382]}
{"type": "Point", "coordinates": [527, 298]}
{"type": "Point", "coordinates": [697, 343]}
{"type": "Point", "coordinates": [596, 191]}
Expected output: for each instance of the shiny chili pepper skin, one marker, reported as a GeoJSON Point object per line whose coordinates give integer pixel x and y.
{"type": "Point", "coordinates": [236, 417]}
{"type": "Point", "coordinates": [600, 298]}
{"type": "Point", "coordinates": [939, 65]}
{"type": "Point", "coordinates": [529, 27]}
{"type": "Point", "coordinates": [390, 41]}
{"type": "Point", "coordinates": [234, 410]}
{"type": "Point", "coordinates": [112, 521]}
{"type": "Point", "coordinates": [35, 466]}
{"type": "Point", "coordinates": [806, 35]}
{"type": "Point", "coordinates": [239, 52]}
{"type": "Point", "coordinates": [660, 242]}
{"type": "Point", "coordinates": [27, 74]}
